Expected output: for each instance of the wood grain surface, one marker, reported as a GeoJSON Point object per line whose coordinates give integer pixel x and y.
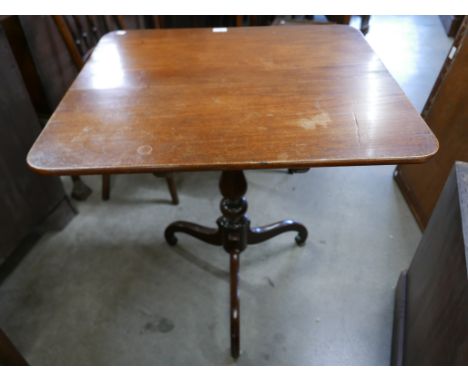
{"type": "Point", "coordinates": [258, 97]}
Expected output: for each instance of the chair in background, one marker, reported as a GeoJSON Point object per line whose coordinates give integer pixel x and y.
{"type": "Point", "coordinates": [45, 72]}
{"type": "Point", "coordinates": [313, 19]}
{"type": "Point", "coordinates": [81, 34]}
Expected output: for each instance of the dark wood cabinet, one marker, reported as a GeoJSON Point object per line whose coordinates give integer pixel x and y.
{"type": "Point", "coordinates": [51, 58]}
{"type": "Point", "coordinates": [446, 113]}
{"type": "Point", "coordinates": [29, 202]}
{"type": "Point", "coordinates": [431, 311]}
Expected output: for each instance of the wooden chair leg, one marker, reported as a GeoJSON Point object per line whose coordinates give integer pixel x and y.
{"type": "Point", "coordinates": [9, 355]}
{"type": "Point", "coordinates": [105, 187]}
{"type": "Point", "coordinates": [80, 190]}
{"type": "Point", "coordinates": [365, 24]}
{"type": "Point", "coordinates": [172, 188]}
{"type": "Point", "coordinates": [297, 170]}
{"type": "Point", "coordinates": [170, 184]}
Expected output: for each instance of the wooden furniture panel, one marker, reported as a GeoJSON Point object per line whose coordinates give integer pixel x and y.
{"type": "Point", "coordinates": [29, 203]}
{"type": "Point", "coordinates": [24, 59]}
{"type": "Point", "coordinates": [446, 113]}
{"type": "Point", "coordinates": [52, 60]}
{"type": "Point", "coordinates": [431, 326]}
{"type": "Point", "coordinates": [27, 199]}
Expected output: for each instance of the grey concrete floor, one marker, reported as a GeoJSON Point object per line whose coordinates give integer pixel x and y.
{"type": "Point", "coordinates": [108, 290]}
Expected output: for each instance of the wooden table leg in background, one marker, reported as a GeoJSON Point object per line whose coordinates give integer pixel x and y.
{"type": "Point", "coordinates": [172, 188]}
{"type": "Point", "coordinates": [234, 234]}
{"type": "Point", "coordinates": [80, 190]}
{"type": "Point", "coordinates": [170, 185]}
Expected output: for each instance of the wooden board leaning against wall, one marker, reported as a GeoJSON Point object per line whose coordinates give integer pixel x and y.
{"type": "Point", "coordinates": [446, 113]}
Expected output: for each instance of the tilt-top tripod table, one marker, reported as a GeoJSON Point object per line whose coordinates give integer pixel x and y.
{"type": "Point", "coordinates": [231, 99]}
{"type": "Point", "coordinates": [234, 234]}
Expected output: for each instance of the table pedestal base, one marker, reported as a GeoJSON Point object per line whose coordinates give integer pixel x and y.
{"type": "Point", "coordinates": [234, 234]}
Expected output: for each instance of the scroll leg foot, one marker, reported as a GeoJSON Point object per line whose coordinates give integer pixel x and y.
{"type": "Point", "coordinates": [80, 190]}
{"type": "Point", "coordinates": [208, 235]}
{"type": "Point", "coordinates": [260, 234]}
{"type": "Point", "coordinates": [235, 313]}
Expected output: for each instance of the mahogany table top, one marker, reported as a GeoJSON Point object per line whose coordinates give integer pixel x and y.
{"type": "Point", "coordinates": [239, 98]}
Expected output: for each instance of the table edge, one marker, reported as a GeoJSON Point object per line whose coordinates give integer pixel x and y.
{"type": "Point", "coordinates": [227, 167]}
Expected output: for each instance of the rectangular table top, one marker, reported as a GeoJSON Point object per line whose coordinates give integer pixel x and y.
{"type": "Point", "coordinates": [239, 98]}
